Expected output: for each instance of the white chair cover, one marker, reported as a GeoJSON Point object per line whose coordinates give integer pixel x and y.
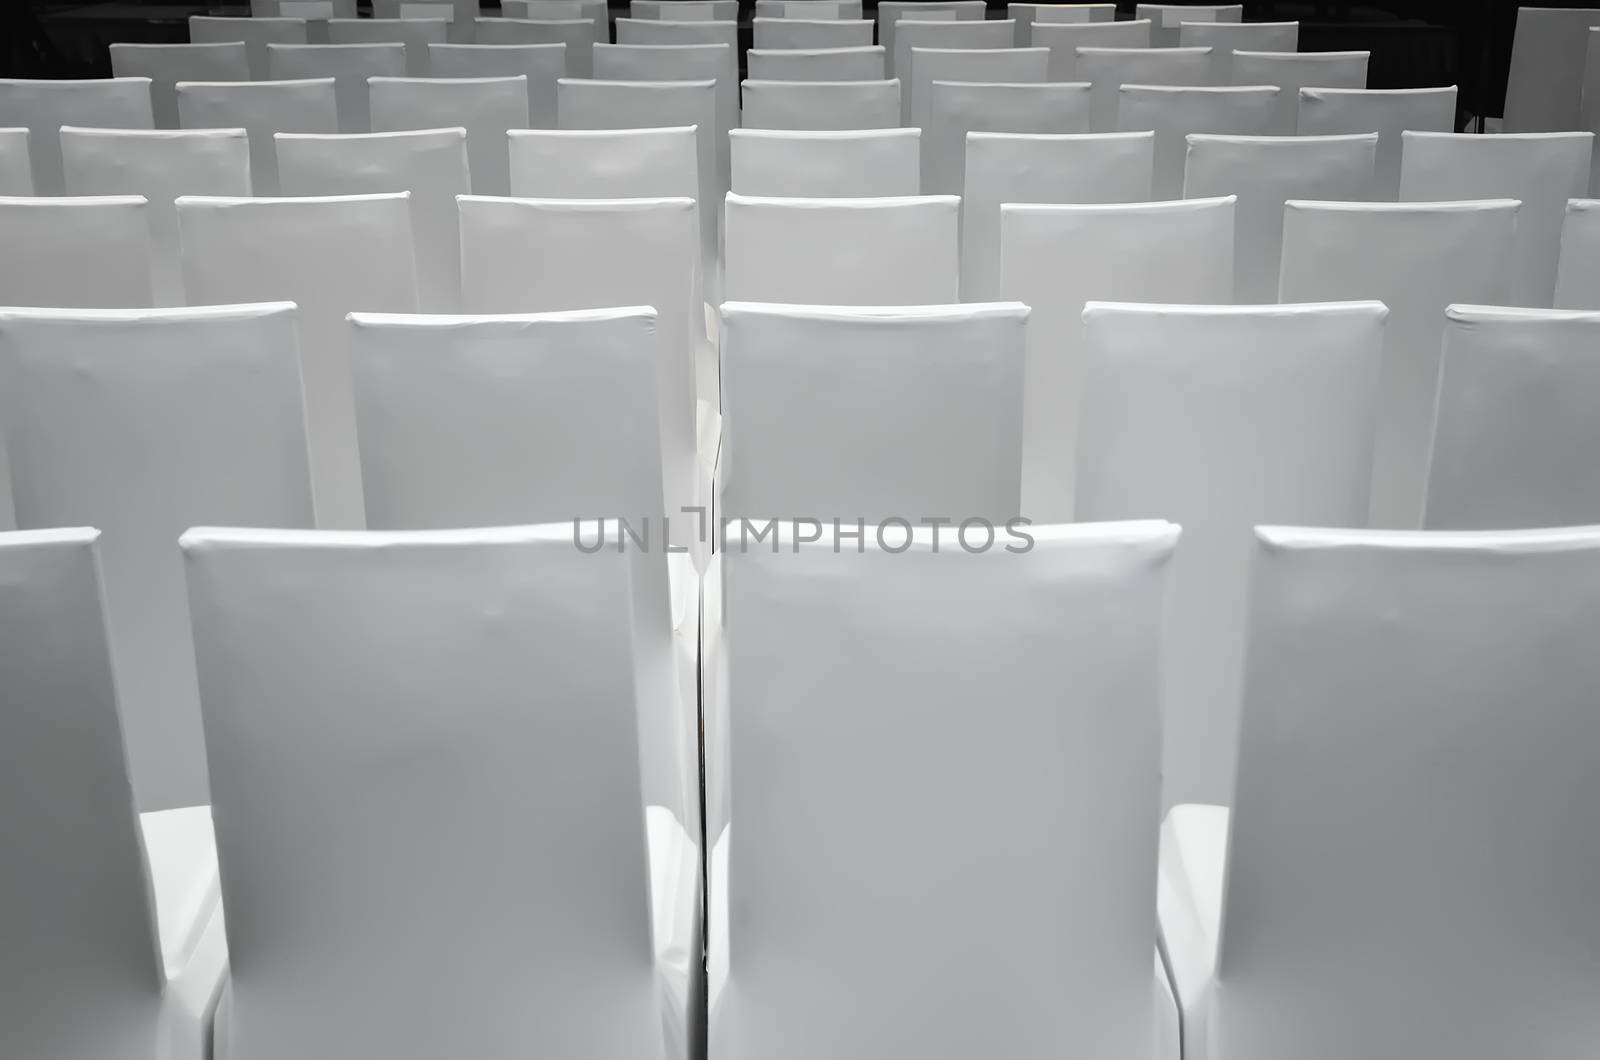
{"type": "Point", "coordinates": [78, 251]}
{"type": "Point", "coordinates": [843, 252]}
{"type": "Point", "coordinates": [542, 64]}
{"type": "Point", "coordinates": [890, 12]}
{"type": "Point", "coordinates": [1166, 20]}
{"type": "Point", "coordinates": [685, 10]}
{"type": "Point", "coordinates": [486, 106]}
{"type": "Point", "coordinates": [1414, 773]}
{"type": "Point", "coordinates": [656, 31]}
{"type": "Point", "coordinates": [167, 64]}
{"type": "Point", "coordinates": [1544, 87]}
{"type": "Point", "coordinates": [1108, 69]}
{"type": "Point", "coordinates": [1387, 111]}
{"type": "Point", "coordinates": [1226, 417]}
{"type": "Point", "coordinates": [262, 109]}
{"type": "Point", "coordinates": [826, 64]}
{"type": "Point", "coordinates": [316, 13]}
{"type": "Point", "coordinates": [16, 172]}
{"type": "Point", "coordinates": [1266, 172]}
{"type": "Point", "coordinates": [821, 104]}
{"type": "Point", "coordinates": [1026, 16]}
{"type": "Point", "coordinates": [989, 66]}
{"type": "Point", "coordinates": [1173, 112]}
{"type": "Point", "coordinates": [596, 11]}
{"type": "Point", "coordinates": [1292, 71]}
{"type": "Point", "coordinates": [681, 62]}
{"type": "Point", "coordinates": [331, 256]}
{"type": "Point", "coordinates": [254, 33]}
{"type": "Point", "coordinates": [576, 33]}
{"type": "Point", "coordinates": [809, 10]}
{"type": "Point", "coordinates": [1065, 38]}
{"type": "Point", "coordinates": [1543, 170]}
{"type": "Point", "coordinates": [1578, 274]}
{"type": "Point", "coordinates": [855, 163]}
{"type": "Point", "coordinates": [1225, 38]}
{"type": "Point", "coordinates": [327, 661]}
{"type": "Point", "coordinates": [43, 107]}
{"type": "Point", "coordinates": [779, 33]}
{"type": "Point", "coordinates": [1416, 258]}
{"type": "Point", "coordinates": [957, 109]}
{"type": "Point", "coordinates": [144, 423]}
{"type": "Point", "coordinates": [416, 34]}
{"type": "Point", "coordinates": [946, 34]}
{"type": "Point", "coordinates": [1057, 258]}
{"type": "Point", "coordinates": [431, 165]}
{"type": "Point", "coordinates": [350, 65]}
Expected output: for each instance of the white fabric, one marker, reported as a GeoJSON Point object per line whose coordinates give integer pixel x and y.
{"type": "Point", "coordinates": [809, 10]}
{"type": "Point", "coordinates": [312, 11]}
{"type": "Point", "coordinates": [78, 252]}
{"type": "Point", "coordinates": [327, 661]}
{"type": "Point", "coordinates": [1578, 274]}
{"type": "Point", "coordinates": [1292, 71]}
{"type": "Point", "coordinates": [348, 64]}
{"type": "Point", "coordinates": [1026, 16]}
{"type": "Point", "coordinates": [1065, 38]}
{"type": "Point", "coordinates": [836, 823]}
{"type": "Point", "coordinates": [1056, 258]}
{"type": "Point", "coordinates": [576, 33]}
{"type": "Point", "coordinates": [1413, 773]}
{"type": "Point", "coordinates": [1226, 417]}
{"type": "Point", "coordinates": [43, 107]}
{"type": "Point", "coordinates": [956, 109]}
{"type": "Point", "coordinates": [261, 109]}
{"type": "Point", "coordinates": [949, 35]}
{"type": "Point", "coordinates": [1416, 258]}
{"type": "Point", "coordinates": [159, 165]}
{"type": "Point", "coordinates": [1266, 172]}
{"type": "Point", "coordinates": [1589, 109]}
{"type": "Point", "coordinates": [989, 66]}
{"type": "Point", "coordinates": [821, 104]}
{"type": "Point", "coordinates": [486, 106]}
{"type": "Point", "coordinates": [254, 33]}
{"type": "Point", "coordinates": [1166, 20]}
{"type": "Point", "coordinates": [769, 34]}
{"type": "Point", "coordinates": [1173, 112]}
{"type": "Point", "coordinates": [655, 31]}
{"type": "Point", "coordinates": [431, 165]}
{"type": "Point", "coordinates": [416, 34]}
{"type": "Point", "coordinates": [542, 64]}
{"type": "Point", "coordinates": [817, 64]}
{"type": "Point", "coordinates": [167, 64]}
{"type": "Point", "coordinates": [1543, 170]}
{"type": "Point", "coordinates": [1225, 38]}
{"type": "Point", "coordinates": [848, 164]}
{"type": "Point", "coordinates": [457, 15]}
{"type": "Point", "coordinates": [330, 256]}
{"type": "Point", "coordinates": [685, 10]}
{"type": "Point", "coordinates": [78, 896]}
{"type": "Point", "coordinates": [16, 172]}
{"type": "Point", "coordinates": [144, 423]}
{"type": "Point", "coordinates": [1544, 86]}
{"type": "Point", "coordinates": [681, 62]}
{"type": "Point", "coordinates": [890, 12]}
{"type": "Point", "coordinates": [596, 11]}
{"type": "Point", "coordinates": [1108, 69]}
{"type": "Point", "coordinates": [1386, 111]}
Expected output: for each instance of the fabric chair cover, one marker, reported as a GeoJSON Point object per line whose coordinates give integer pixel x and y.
{"type": "Point", "coordinates": [957, 109]}
{"type": "Point", "coordinates": [809, 10]}
{"type": "Point", "coordinates": [685, 10]}
{"type": "Point", "coordinates": [489, 105]}
{"type": "Point", "coordinates": [167, 64]}
{"type": "Point", "coordinates": [1166, 20]}
{"type": "Point", "coordinates": [1108, 69]}
{"type": "Point", "coordinates": [457, 16]}
{"type": "Point", "coordinates": [1388, 111]}
{"type": "Point", "coordinates": [316, 13]}
{"type": "Point", "coordinates": [80, 251]}
{"type": "Point", "coordinates": [1174, 112]}
{"type": "Point", "coordinates": [948, 35]}
{"type": "Point", "coordinates": [990, 66]}
{"type": "Point", "coordinates": [826, 64]}
{"type": "Point", "coordinates": [681, 62]}
{"type": "Point", "coordinates": [890, 13]}
{"type": "Point", "coordinates": [821, 104]}
{"type": "Point", "coordinates": [1225, 38]}
{"type": "Point", "coordinates": [1578, 273]}
{"type": "Point", "coordinates": [1065, 38]}
{"type": "Point", "coordinates": [1266, 172]}
{"type": "Point", "coordinates": [254, 33]}
{"type": "Point", "coordinates": [16, 172]}
{"type": "Point", "coordinates": [1544, 88]}
{"type": "Point", "coordinates": [542, 64]}
{"type": "Point", "coordinates": [576, 33]}
{"type": "Point", "coordinates": [596, 11]}
{"type": "Point", "coordinates": [1226, 417]}
{"type": "Point", "coordinates": [350, 65]}
{"type": "Point", "coordinates": [262, 109]}
{"type": "Point", "coordinates": [1416, 258]}
{"type": "Point", "coordinates": [1543, 170]}
{"type": "Point", "coordinates": [1059, 257]}
{"type": "Point", "coordinates": [856, 163]}
{"type": "Point", "coordinates": [43, 107]}
{"type": "Point", "coordinates": [779, 33]}
{"type": "Point", "coordinates": [1292, 71]}
{"type": "Point", "coordinates": [417, 34]}
{"type": "Point", "coordinates": [1026, 16]}
{"type": "Point", "coordinates": [657, 31]}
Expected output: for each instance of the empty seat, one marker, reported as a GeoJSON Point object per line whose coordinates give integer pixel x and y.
{"type": "Point", "coordinates": [1173, 112]}
{"type": "Point", "coordinates": [1065, 38]}
{"type": "Point", "coordinates": [81, 251]}
{"type": "Point", "coordinates": [416, 34]}
{"type": "Point", "coordinates": [1544, 87]}
{"type": "Point", "coordinates": [656, 31]}
{"type": "Point", "coordinates": [1225, 38]}
{"type": "Point", "coordinates": [681, 62]}
{"type": "Point", "coordinates": [685, 10]}
{"type": "Point", "coordinates": [809, 10]}
{"type": "Point", "coordinates": [1167, 20]}
{"type": "Point", "coordinates": [167, 64]}
{"type": "Point", "coordinates": [1386, 111]}
{"type": "Point", "coordinates": [821, 104]}
{"type": "Point", "coordinates": [16, 172]}
{"type": "Point", "coordinates": [43, 107]}
{"type": "Point", "coordinates": [1026, 16]}
{"type": "Point", "coordinates": [604, 163]}
{"type": "Point", "coordinates": [542, 64]}
{"type": "Point", "coordinates": [854, 163]}
{"type": "Point", "coordinates": [486, 106]}
{"type": "Point", "coordinates": [261, 109]}
{"type": "Point", "coordinates": [989, 66]}
{"type": "Point", "coordinates": [1578, 273]}
{"type": "Point", "coordinates": [576, 33]}
{"type": "Point", "coordinates": [596, 11]}
{"type": "Point", "coordinates": [254, 33]}
{"type": "Point", "coordinates": [1108, 69]}
{"type": "Point", "coordinates": [956, 109]}
{"type": "Point", "coordinates": [945, 34]}
{"type": "Point", "coordinates": [779, 33]}
{"type": "Point", "coordinates": [313, 11]}
{"type": "Point", "coordinates": [891, 12]}
{"type": "Point", "coordinates": [1292, 71]}
{"type": "Point", "coordinates": [827, 64]}
{"type": "Point", "coordinates": [350, 65]}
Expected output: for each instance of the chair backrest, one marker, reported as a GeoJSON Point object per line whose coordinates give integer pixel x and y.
{"type": "Point", "coordinates": [871, 413]}
{"type": "Point", "coordinates": [843, 252]}
{"type": "Point", "coordinates": [1225, 38]}
{"type": "Point", "coordinates": [83, 977]}
{"type": "Point", "coordinates": [956, 109]}
{"type": "Point", "coordinates": [780, 33]}
{"type": "Point", "coordinates": [486, 106]}
{"type": "Point", "coordinates": [1266, 172]}
{"type": "Point", "coordinates": [576, 33]}
{"type": "Point", "coordinates": [1057, 258]}
{"type": "Point", "coordinates": [1416, 258]}
{"type": "Point", "coordinates": [891, 12]}
{"type": "Point", "coordinates": [416, 34]}
{"type": "Point", "coordinates": [596, 11]}
{"type": "Point", "coordinates": [1292, 71]}
{"type": "Point", "coordinates": [542, 64]}
{"type": "Point", "coordinates": [43, 107]}
{"type": "Point", "coordinates": [1225, 417]}
{"type": "Point", "coordinates": [329, 660]}
{"type": "Point", "coordinates": [159, 165]}
{"type": "Point", "coordinates": [685, 10]}
{"type": "Point", "coordinates": [331, 256]}
{"type": "Point", "coordinates": [1174, 111]}
{"type": "Point", "coordinates": [349, 65]}
{"type": "Point", "coordinates": [1166, 20]}
{"type": "Point", "coordinates": [1515, 435]}
{"type": "Point", "coordinates": [167, 64]}
{"type": "Point", "coordinates": [821, 104]}
{"type": "Point", "coordinates": [315, 12]}
{"type": "Point", "coordinates": [1415, 772]}
{"type": "Point", "coordinates": [945, 34]}
{"type": "Point", "coordinates": [681, 62]}
{"type": "Point", "coordinates": [1578, 272]}
{"type": "Point", "coordinates": [1544, 87]}
{"type": "Point", "coordinates": [990, 66]}
{"type": "Point", "coordinates": [809, 10]}
{"type": "Point", "coordinates": [818, 872]}
{"type": "Point", "coordinates": [262, 109]}
{"type": "Point", "coordinates": [604, 163]}
{"type": "Point", "coordinates": [1386, 111]}
{"type": "Point", "coordinates": [658, 31]}
{"type": "Point", "coordinates": [865, 63]}
{"type": "Point", "coordinates": [854, 163]}
{"type": "Point", "coordinates": [190, 416]}
{"type": "Point", "coordinates": [16, 172]}
{"type": "Point", "coordinates": [79, 251]}
{"type": "Point", "coordinates": [1108, 69]}
{"type": "Point", "coordinates": [431, 165]}
{"type": "Point", "coordinates": [1543, 170]}
{"type": "Point", "coordinates": [1065, 38]}
{"type": "Point", "coordinates": [1026, 16]}
{"type": "Point", "coordinates": [254, 33]}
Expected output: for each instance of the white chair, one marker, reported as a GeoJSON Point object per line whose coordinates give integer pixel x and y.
{"type": "Point", "coordinates": [1226, 417]}
{"type": "Point", "coordinates": [43, 107]}
{"type": "Point", "coordinates": [1225, 38]}
{"type": "Point", "coordinates": [486, 106]}
{"type": "Point", "coordinates": [685, 10]}
{"type": "Point", "coordinates": [16, 172]}
{"type": "Point", "coordinates": [1292, 71]}
{"type": "Point", "coordinates": [1416, 258]}
{"type": "Point", "coordinates": [144, 423]}
{"type": "Point", "coordinates": [957, 109]}
{"type": "Point", "coordinates": [656, 31]}
{"type": "Point", "coordinates": [825, 64]}
{"type": "Point", "coordinates": [331, 256]}
{"type": "Point", "coordinates": [1589, 110]}
{"type": "Point", "coordinates": [542, 64]}
{"type": "Point", "coordinates": [1065, 38]}
{"type": "Point", "coordinates": [350, 65]}
{"type": "Point", "coordinates": [1030, 168]}
{"type": "Point", "coordinates": [773, 34]}
{"type": "Point", "coordinates": [809, 10]}
{"type": "Point", "coordinates": [327, 661]}
{"type": "Point", "coordinates": [596, 11]}
{"type": "Point", "coordinates": [1544, 86]}
{"type": "Point", "coordinates": [890, 13]}
{"type": "Point", "coordinates": [1387, 111]}
{"type": "Point", "coordinates": [957, 35]}
{"type": "Point", "coordinates": [681, 62]}
{"type": "Point", "coordinates": [846, 823]}
{"type": "Point", "coordinates": [159, 165]}
{"type": "Point", "coordinates": [989, 66]}
{"type": "Point", "coordinates": [113, 915]}
{"type": "Point", "coordinates": [855, 163]}
{"type": "Point", "coordinates": [1060, 257]}
{"type": "Point", "coordinates": [604, 163]}
{"type": "Point", "coordinates": [1543, 170]}
{"type": "Point", "coordinates": [431, 165]}
{"type": "Point", "coordinates": [458, 15]}
{"type": "Point", "coordinates": [576, 33]}
{"type": "Point", "coordinates": [1265, 172]}
{"type": "Point", "coordinates": [417, 35]}
{"type": "Point", "coordinates": [262, 109]}
{"type": "Point", "coordinates": [76, 251]}
{"type": "Point", "coordinates": [1578, 274]}
{"type": "Point", "coordinates": [167, 64]}
{"type": "Point", "coordinates": [1108, 69]}
{"type": "Point", "coordinates": [821, 104]}
{"type": "Point", "coordinates": [1173, 112]}
{"type": "Point", "coordinates": [316, 13]}
{"type": "Point", "coordinates": [843, 252]}
{"type": "Point", "coordinates": [1026, 16]}
{"type": "Point", "coordinates": [1413, 777]}
{"type": "Point", "coordinates": [1166, 20]}
{"type": "Point", "coordinates": [254, 33]}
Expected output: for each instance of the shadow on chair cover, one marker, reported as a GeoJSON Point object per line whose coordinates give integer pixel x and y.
{"type": "Point", "coordinates": [167, 64]}
{"type": "Point", "coordinates": [254, 33]}
{"type": "Point", "coordinates": [486, 107]}
{"type": "Point", "coordinates": [964, 36]}
{"type": "Point", "coordinates": [416, 34]}
{"type": "Point", "coordinates": [956, 109]}
{"type": "Point", "coordinates": [261, 109]}
{"type": "Point", "coordinates": [892, 12]}
{"type": "Point", "coordinates": [989, 66]}
{"type": "Point", "coordinates": [681, 62]}
{"type": "Point", "coordinates": [1108, 69]}
{"type": "Point", "coordinates": [1292, 71]}
{"type": "Point", "coordinates": [1173, 112]}
{"type": "Point", "coordinates": [1065, 38]}
{"type": "Point", "coordinates": [350, 65]}
{"type": "Point", "coordinates": [1225, 38]}
{"type": "Point", "coordinates": [854, 163]}
{"type": "Point", "coordinates": [542, 64]}
{"type": "Point", "coordinates": [575, 33]}
{"type": "Point", "coordinates": [16, 172]}
{"type": "Point", "coordinates": [821, 104]}
{"type": "Point", "coordinates": [1026, 16]}
{"type": "Point", "coordinates": [1578, 273]}
{"type": "Point", "coordinates": [596, 11]}
{"type": "Point", "coordinates": [43, 107]}
{"type": "Point", "coordinates": [864, 63]}
{"type": "Point", "coordinates": [776, 34]}
{"type": "Point", "coordinates": [1544, 85]}
{"type": "Point", "coordinates": [1387, 111]}
{"type": "Point", "coordinates": [1167, 20]}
